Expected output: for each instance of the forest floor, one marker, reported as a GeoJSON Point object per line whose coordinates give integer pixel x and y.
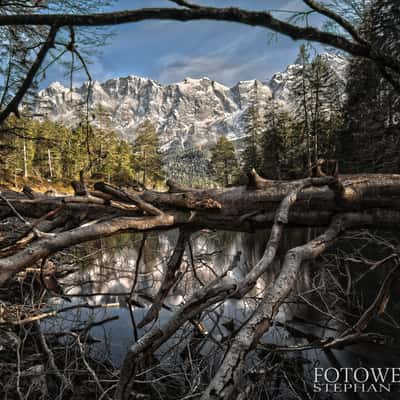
{"type": "Point", "coordinates": [58, 186]}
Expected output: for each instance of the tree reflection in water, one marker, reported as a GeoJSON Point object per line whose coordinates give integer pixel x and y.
{"type": "Point", "coordinates": [326, 301]}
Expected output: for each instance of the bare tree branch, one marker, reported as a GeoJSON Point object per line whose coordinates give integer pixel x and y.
{"type": "Point", "coordinates": [227, 378]}
{"type": "Point", "coordinates": [12, 106]}
{"type": "Point", "coordinates": [170, 278]}
{"type": "Point", "coordinates": [184, 3]}
{"type": "Point", "coordinates": [346, 25]}
{"type": "Point", "coordinates": [252, 18]}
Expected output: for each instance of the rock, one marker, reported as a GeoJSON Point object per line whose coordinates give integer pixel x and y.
{"type": "Point", "coordinates": [194, 112]}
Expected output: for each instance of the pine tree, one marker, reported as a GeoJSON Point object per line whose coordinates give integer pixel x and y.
{"type": "Point", "coordinates": [146, 156]}
{"type": "Point", "coordinates": [318, 115]}
{"type": "Point", "coordinates": [8, 151]}
{"type": "Point", "coordinates": [77, 155]}
{"type": "Point", "coordinates": [224, 160]}
{"type": "Point", "coordinates": [123, 174]}
{"type": "Point", "coordinates": [47, 137]}
{"type": "Point", "coordinates": [302, 91]}
{"type": "Point", "coordinates": [253, 128]}
{"type": "Point", "coordinates": [275, 145]}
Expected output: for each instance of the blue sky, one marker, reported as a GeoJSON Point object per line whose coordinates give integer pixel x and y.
{"type": "Point", "coordinates": [170, 51]}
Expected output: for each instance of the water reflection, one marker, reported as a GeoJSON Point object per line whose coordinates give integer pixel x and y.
{"type": "Point", "coordinates": [107, 269]}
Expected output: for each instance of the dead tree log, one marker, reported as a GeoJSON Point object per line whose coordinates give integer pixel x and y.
{"type": "Point", "coordinates": [374, 200]}
{"type": "Point", "coordinates": [340, 203]}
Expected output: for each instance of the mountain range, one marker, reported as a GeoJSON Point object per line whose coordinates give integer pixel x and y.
{"type": "Point", "coordinates": [194, 110]}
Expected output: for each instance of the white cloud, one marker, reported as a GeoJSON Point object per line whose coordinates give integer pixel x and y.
{"type": "Point", "coordinates": [242, 57]}
{"type": "Point", "coordinates": [177, 67]}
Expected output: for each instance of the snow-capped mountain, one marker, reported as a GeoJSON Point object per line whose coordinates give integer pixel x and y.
{"type": "Point", "coordinates": [195, 110]}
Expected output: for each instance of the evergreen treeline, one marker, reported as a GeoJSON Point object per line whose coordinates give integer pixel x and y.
{"type": "Point", "coordinates": [189, 165]}
{"type": "Point", "coordinates": [286, 144]}
{"type": "Point", "coordinates": [48, 151]}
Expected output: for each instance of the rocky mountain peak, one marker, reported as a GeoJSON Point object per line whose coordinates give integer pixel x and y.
{"type": "Point", "coordinates": [198, 110]}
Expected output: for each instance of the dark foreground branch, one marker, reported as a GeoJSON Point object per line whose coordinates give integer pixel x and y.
{"type": "Point", "coordinates": [253, 18]}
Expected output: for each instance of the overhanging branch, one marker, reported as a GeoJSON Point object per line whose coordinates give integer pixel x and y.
{"type": "Point", "coordinates": [12, 106]}
{"type": "Point", "coordinates": [252, 18]}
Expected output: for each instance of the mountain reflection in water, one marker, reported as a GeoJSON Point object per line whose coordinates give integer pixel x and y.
{"type": "Point", "coordinates": [107, 268]}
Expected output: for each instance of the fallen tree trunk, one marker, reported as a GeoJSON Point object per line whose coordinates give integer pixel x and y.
{"type": "Point", "coordinates": [357, 192]}
{"type": "Point", "coordinates": [54, 223]}
{"type": "Point", "coordinates": [374, 200]}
